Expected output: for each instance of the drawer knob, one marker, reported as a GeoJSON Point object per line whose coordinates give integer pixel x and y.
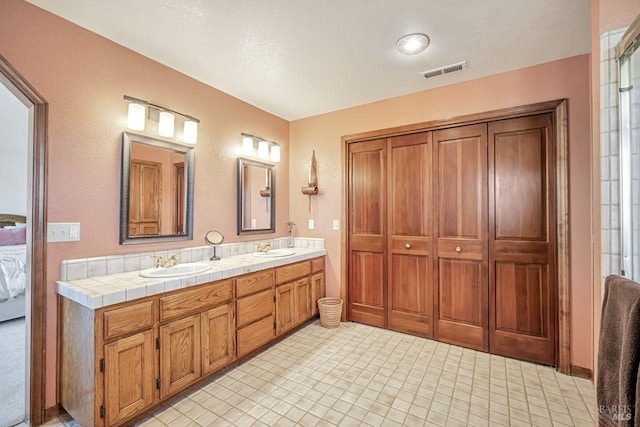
{"type": "Point", "coordinates": [458, 249]}
{"type": "Point", "coordinates": [408, 246]}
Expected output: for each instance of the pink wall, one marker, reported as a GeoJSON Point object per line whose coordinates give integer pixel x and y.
{"type": "Point", "coordinates": [84, 77]}
{"type": "Point", "coordinates": [567, 78]}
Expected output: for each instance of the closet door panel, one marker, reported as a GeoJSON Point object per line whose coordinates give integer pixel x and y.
{"type": "Point", "coordinates": [367, 229]}
{"type": "Point", "coordinates": [461, 296]}
{"type": "Point", "coordinates": [410, 306]}
{"type": "Point", "coordinates": [522, 243]}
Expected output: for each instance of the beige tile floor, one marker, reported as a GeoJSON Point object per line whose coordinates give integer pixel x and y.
{"type": "Point", "coordinates": [360, 375]}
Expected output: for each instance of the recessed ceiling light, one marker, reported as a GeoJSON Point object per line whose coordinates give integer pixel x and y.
{"type": "Point", "coordinates": [412, 43]}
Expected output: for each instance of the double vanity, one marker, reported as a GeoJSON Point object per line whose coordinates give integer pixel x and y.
{"type": "Point", "coordinates": [134, 339]}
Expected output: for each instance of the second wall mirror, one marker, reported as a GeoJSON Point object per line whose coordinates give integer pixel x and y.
{"type": "Point", "coordinates": [256, 197]}
{"type": "Point", "coordinates": [157, 190]}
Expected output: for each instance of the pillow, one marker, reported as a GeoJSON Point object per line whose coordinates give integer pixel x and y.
{"type": "Point", "coordinates": [21, 224]}
{"type": "Point", "coordinates": [13, 236]}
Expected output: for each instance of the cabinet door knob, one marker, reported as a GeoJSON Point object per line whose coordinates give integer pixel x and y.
{"type": "Point", "coordinates": [458, 249]}
{"type": "Point", "coordinates": [408, 246]}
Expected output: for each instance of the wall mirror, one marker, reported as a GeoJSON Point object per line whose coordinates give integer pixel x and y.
{"type": "Point", "coordinates": [156, 201]}
{"type": "Point", "coordinates": [256, 197]}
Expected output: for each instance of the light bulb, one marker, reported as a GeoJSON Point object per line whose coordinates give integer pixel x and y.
{"type": "Point", "coordinates": [275, 153]}
{"type": "Point", "coordinates": [136, 116]}
{"type": "Point", "coordinates": [263, 149]}
{"type": "Point", "coordinates": [190, 134]}
{"type": "Point", "coordinates": [165, 124]}
{"type": "Point", "coordinates": [247, 146]}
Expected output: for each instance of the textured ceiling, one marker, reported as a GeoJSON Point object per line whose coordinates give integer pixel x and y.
{"type": "Point", "coordinates": [298, 58]}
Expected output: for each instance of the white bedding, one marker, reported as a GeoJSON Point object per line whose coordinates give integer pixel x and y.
{"type": "Point", "coordinates": [13, 271]}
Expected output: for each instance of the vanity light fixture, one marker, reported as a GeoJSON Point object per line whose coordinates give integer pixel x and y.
{"type": "Point", "coordinates": [412, 43]}
{"type": "Point", "coordinates": [252, 146]}
{"type": "Point", "coordinates": [166, 124]}
{"type": "Point", "coordinates": [137, 116]}
{"type": "Point", "coordinates": [247, 146]}
{"type": "Point", "coordinates": [190, 133]}
{"type": "Point", "coordinates": [275, 153]}
{"type": "Point", "coordinates": [263, 149]}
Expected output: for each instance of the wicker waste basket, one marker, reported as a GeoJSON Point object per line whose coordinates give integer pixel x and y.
{"type": "Point", "coordinates": [330, 312]}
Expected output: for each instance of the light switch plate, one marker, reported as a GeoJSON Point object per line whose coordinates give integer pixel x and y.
{"type": "Point", "coordinates": [311, 224]}
{"type": "Point", "coordinates": [336, 224]}
{"type": "Point", "coordinates": [63, 232]}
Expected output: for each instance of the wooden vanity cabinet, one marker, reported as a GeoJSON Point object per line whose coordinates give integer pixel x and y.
{"type": "Point", "coordinates": [118, 361]}
{"type": "Point", "coordinates": [180, 353]}
{"type": "Point", "coordinates": [317, 283]}
{"type": "Point", "coordinates": [130, 376]}
{"type": "Point", "coordinates": [293, 296]}
{"type": "Point", "coordinates": [285, 308]}
{"type": "Point", "coordinates": [218, 331]}
{"type": "Point", "coordinates": [254, 304]}
{"type": "Point", "coordinates": [180, 341]}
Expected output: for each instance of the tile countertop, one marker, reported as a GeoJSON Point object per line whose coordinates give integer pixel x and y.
{"type": "Point", "coordinates": [102, 291]}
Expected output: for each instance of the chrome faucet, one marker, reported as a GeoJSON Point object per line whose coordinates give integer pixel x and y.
{"type": "Point", "coordinates": [265, 247]}
{"type": "Point", "coordinates": [160, 262]}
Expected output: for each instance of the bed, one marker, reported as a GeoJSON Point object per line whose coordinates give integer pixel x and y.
{"type": "Point", "coordinates": [13, 266]}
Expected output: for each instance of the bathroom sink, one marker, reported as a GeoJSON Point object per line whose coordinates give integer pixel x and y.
{"type": "Point", "coordinates": [274, 253]}
{"type": "Point", "coordinates": [176, 270]}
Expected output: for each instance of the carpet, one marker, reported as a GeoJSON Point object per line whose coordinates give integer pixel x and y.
{"type": "Point", "coordinates": [12, 373]}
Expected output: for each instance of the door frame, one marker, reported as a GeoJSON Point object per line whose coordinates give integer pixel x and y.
{"type": "Point", "coordinates": [19, 86]}
{"type": "Point", "coordinates": [558, 110]}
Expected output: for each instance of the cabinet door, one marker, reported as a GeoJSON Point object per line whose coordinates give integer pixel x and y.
{"type": "Point", "coordinates": [285, 308]}
{"type": "Point", "coordinates": [410, 213]}
{"type": "Point", "coordinates": [461, 309]}
{"type": "Point", "coordinates": [317, 291]}
{"type": "Point", "coordinates": [218, 338]}
{"type": "Point", "coordinates": [179, 354]}
{"type": "Point", "coordinates": [130, 374]}
{"type": "Point", "coordinates": [302, 294]}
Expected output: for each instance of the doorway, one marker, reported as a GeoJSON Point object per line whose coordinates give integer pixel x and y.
{"type": "Point", "coordinates": [35, 255]}
{"type": "Point", "coordinates": [424, 253]}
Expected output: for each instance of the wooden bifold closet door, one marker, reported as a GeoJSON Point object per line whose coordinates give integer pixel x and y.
{"type": "Point", "coordinates": [522, 239]}
{"type": "Point", "coordinates": [409, 245]}
{"type": "Point", "coordinates": [461, 251]}
{"type": "Point", "coordinates": [452, 236]}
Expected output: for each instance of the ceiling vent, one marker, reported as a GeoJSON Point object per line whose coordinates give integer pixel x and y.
{"type": "Point", "coordinates": [445, 70]}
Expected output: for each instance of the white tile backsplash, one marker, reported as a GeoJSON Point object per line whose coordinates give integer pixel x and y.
{"type": "Point", "coordinates": [115, 264]}
{"type": "Point", "coordinates": [94, 267]}
{"type": "Point", "coordinates": [77, 269]}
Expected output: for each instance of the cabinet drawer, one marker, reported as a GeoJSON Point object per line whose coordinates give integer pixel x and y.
{"type": "Point", "coordinates": [253, 283]}
{"type": "Point", "coordinates": [255, 335]}
{"type": "Point", "coordinates": [197, 299]}
{"type": "Point", "coordinates": [123, 320]}
{"type": "Point", "coordinates": [293, 271]}
{"type": "Point", "coordinates": [255, 307]}
{"type": "Point", "coordinates": [317, 265]}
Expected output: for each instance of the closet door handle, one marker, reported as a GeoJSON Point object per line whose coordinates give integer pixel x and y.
{"type": "Point", "coordinates": [407, 245]}
{"type": "Point", "coordinates": [458, 249]}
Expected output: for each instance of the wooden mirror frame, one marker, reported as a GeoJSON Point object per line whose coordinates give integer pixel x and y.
{"type": "Point", "coordinates": [127, 140]}
{"type": "Point", "coordinates": [272, 218]}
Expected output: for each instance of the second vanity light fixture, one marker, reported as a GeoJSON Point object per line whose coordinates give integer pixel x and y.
{"type": "Point", "coordinates": [137, 117]}
{"type": "Point", "coordinates": [252, 146]}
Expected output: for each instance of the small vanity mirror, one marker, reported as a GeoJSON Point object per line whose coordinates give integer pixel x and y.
{"type": "Point", "coordinates": [256, 197]}
{"type": "Point", "coordinates": [157, 190]}
{"type": "Point", "coordinates": [214, 238]}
